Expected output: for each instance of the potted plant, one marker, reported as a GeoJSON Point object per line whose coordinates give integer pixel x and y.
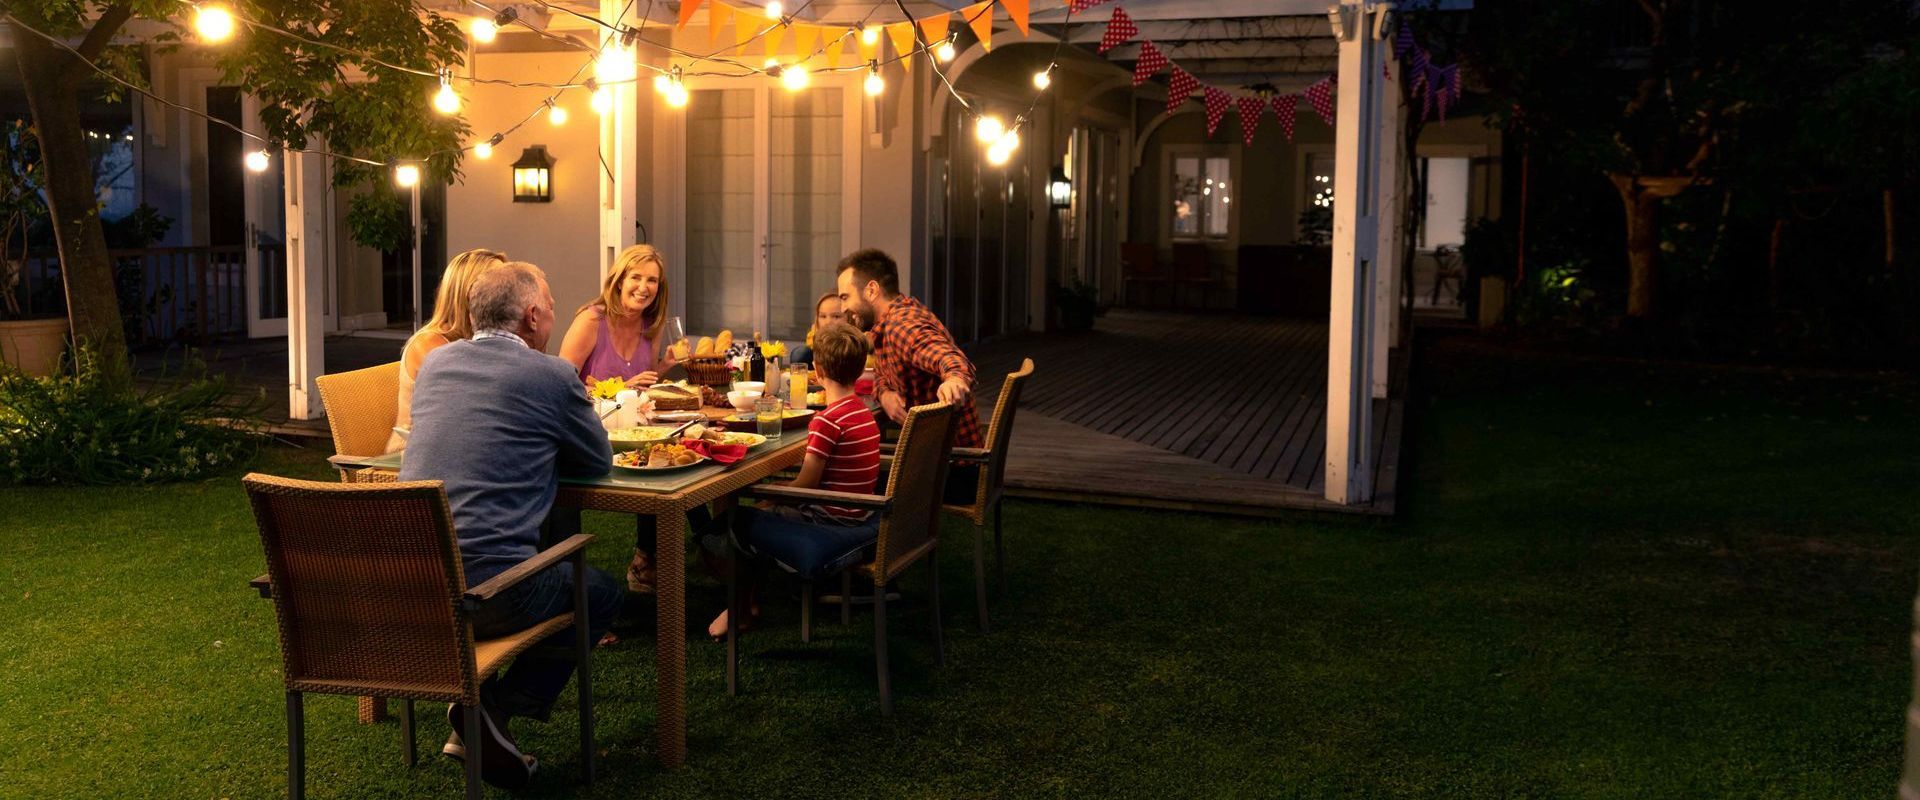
{"type": "Point", "coordinates": [1077, 303]}
{"type": "Point", "coordinates": [29, 341]}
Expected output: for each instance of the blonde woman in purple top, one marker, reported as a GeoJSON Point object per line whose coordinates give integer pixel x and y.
{"type": "Point", "coordinates": [617, 335]}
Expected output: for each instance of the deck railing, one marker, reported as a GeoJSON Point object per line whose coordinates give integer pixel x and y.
{"type": "Point", "coordinates": [168, 294]}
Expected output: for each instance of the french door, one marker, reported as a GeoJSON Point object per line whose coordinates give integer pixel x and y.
{"type": "Point", "coordinates": [770, 188]}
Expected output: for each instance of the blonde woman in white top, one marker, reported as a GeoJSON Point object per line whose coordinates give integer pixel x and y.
{"type": "Point", "coordinates": [450, 323]}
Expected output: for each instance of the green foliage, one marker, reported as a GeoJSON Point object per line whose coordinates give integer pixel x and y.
{"type": "Point", "coordinates": [379, 220]}
{"type": "Point", "coordinates": [81, 428]}
{"type": "Point", "coordinates": [21, 180]}
{"type": "Point", "coordinates": [141, 227]}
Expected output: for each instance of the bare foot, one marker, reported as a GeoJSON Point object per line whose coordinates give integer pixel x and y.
{"type": "Point", "coordinates": [718, 628]}
{"type": "Point", "coordinates": [608, 639]}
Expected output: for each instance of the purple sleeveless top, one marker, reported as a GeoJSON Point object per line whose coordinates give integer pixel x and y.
{"type": "Point", "coordinates": [605, 362]}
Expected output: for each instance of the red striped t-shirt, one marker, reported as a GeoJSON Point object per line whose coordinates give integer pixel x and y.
{"type": "Point", "coordinates": [846, 436]}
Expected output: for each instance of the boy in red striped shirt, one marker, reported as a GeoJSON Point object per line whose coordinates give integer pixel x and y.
{"type": "Point", "coordinates": [843, 455]}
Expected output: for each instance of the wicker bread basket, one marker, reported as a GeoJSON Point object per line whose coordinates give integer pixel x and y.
{"type": "Point", "coordinates": [709, 370]}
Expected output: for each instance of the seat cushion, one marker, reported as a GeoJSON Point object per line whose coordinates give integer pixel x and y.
{"type": "Point", "coordinates": [790, 538]}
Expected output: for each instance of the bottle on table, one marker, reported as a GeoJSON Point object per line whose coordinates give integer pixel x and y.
{"type": "Point", "coordinates": [756, 363]}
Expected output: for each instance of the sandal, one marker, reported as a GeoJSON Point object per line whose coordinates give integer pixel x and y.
{"type": "Point", "coordinates": [640, 574]}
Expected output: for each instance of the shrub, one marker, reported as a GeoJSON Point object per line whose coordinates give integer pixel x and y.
{"type": "Point", "coordinates": [79, 427]}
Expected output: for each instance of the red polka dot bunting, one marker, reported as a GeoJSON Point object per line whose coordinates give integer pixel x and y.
{"type": "Point", "coordinates": [1283, 109]}
{"type": "Point", "coordinates": [1179, 88]}
{"type": "Point", "coordinates": [1120, 30]}
{"type": "Point", "coordinates": [1320, 96]}
{"type": "Point", "coordinates": [1217, 102]}
{"type": "Point", "coordinates": [1077, 6]}
{"type": "Point", "coordinates": [1151, 61]}
{"type": "Point", "coordinates": [1251, 109]}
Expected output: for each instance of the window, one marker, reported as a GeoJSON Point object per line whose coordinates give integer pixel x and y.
{"type": "Point", "coordinates": [1447, 181]}
{"type": "Point", "coordinates": [1201, 199]}
{"type": "Point", "coordinates": [1316, 201]}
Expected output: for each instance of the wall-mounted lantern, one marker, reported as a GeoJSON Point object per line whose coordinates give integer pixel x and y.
{"type": "Point", "coordinates": [533, 176]}
{"type": "Point", "coordinates": [1059, 189]}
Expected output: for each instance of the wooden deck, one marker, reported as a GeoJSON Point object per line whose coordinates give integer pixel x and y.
{"type": "Point", "coordinates": [1179, 411]}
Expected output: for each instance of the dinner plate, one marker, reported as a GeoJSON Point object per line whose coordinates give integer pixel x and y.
{"type": "Point", "coordinates": [793, 418]}
{"type": "Point", "coordinates": [751, 440]}
{"type": "Point", "coordinates": [657, 470]}
{"type": "Point", "coordinates": [677, 416]}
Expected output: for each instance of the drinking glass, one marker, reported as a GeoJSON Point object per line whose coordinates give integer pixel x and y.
{"type": "Point", "coordinates": [797, 385]}
{"type": "Point", "coordinates": [766, 416]}
{"type": "Point", "coordinates": [675, 331]}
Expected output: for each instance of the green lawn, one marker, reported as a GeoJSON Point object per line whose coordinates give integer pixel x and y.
{"type": "Point", "coordinates": [1607, 580]}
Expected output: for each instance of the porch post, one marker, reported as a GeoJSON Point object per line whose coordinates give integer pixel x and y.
{"type": "Point", "coordinates": [1392, 200]}
{"type": "Point", "coordinates": [305, 182]}
{"type": "Point", "coordinates": [620, 146]}
{"type": "Point", "coordinates": [1349, 468]}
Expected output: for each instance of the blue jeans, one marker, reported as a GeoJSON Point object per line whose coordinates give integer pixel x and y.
{"type": "Point", "coordinates": [800, 544]}
{"type": "Point", "coordinates": [529, 687]}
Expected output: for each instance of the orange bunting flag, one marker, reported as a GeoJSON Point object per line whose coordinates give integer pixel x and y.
{"type": "Point", "coordinates": [719, 15]}
{"type": "Point", "coordinates": [835, 49]}
{"type": "Point", "coordinates": [934, 26]}
{"type": "Point", "coordinates": [1017, 11]}
{"type": "Point", "coordinates": [902, 35]}
{"type": "Point", "coordinates": [687, 7]}
{"type": "Point", "coordinates": [868, 52]}
{"type": "Point", "coordinates": [744, 27]}
{"type": "Point", "coordinates": [775, 35]}
{"type": "Point", "coordinates": [980, 16]}
{"type": "Point", "coordinates": [806, 39]}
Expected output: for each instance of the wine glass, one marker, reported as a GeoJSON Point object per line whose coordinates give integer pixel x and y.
{"type": "Point", "coordinates": [675, 332]}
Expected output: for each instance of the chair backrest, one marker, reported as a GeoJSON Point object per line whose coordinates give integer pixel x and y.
{"type": "Point", "coordinates": [1190, 260]}
{"type": "Point", "coordinates": [916, 483]}
{"type": "Point", "coordinates": [1139, 260]}
{"type": "Point", "coordinates": [362, 406]}
{"type": "Point", "coordinates": [367, 588]}
{"type": "Point", "coordinates": [1000, 432]}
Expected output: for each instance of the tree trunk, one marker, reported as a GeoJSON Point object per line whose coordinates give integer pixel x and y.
{"type": "Point", "coordinates": [93, 311]}
{"type": "Point", "coordinates": [1641, 196]}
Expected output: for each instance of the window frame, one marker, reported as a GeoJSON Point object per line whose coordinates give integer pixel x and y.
{"type": "Point", "coordinates": [1169, 158]}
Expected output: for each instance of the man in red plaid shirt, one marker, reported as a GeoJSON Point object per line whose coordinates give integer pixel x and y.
{"type": "Point", "coordinates": [914, 355]}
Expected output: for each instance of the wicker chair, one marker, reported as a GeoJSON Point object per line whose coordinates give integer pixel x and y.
{"type": "Point", "coordinates": [993, 468]}
{"type": "Point", "coordinates": [909, 533]}
{"type": "Point", "coordinates": [371, 600]}
{"type": "Point", "coordinates": [362, 407]}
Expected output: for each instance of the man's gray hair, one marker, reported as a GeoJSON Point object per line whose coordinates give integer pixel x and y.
{"type": "Point", "coordinates": [502, 294]}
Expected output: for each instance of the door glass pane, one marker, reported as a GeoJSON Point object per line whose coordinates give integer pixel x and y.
{"type": "Point", "coordinates": [720, 235]}
{"type": "Point", "coordinates": [1186, 196]}
{"type": "Point", "coordinates": [805, 170]}
{"type": "Point", "coordinates": [1446, 221]}
{"type": "Point", "coordinates": [1215, 193]}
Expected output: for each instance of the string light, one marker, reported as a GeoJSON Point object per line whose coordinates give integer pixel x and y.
{"type": "Point", "coordinates": [875, 84]}
{"type": "Point", "coordinates": [945, 51]}
{"type": "Point", "coordinates": [556, 113]}
{"type": "Point", "coordinates": [406, 176]}
{"type": "Point", "coordinates": [660, 83]}
{"type": "Point", "coordinates": [483, 30]}
{"type": "Point", "coordinates": [1043, 78]}
{"type": "Point", "coordinates": [446, 101]}
{"type": "Point", "coordinates": [257, 161]}
{"type": "Point", "coordinates": [775, 10]}
{"type": "Point", "coordinates": [213, 22]}
{"type": "Point", "coordinates": [483, 151]}
{"type": "Point", "coordinates": [989, 129]}
{"type": "Point", "coordinates": [602, 101]}
{"type": "Point", "coordinates": [869, 36]}
{"type": "Point", "coordinates": [614, 64]}
{"type": "Point", "coordinates": [795, 78]}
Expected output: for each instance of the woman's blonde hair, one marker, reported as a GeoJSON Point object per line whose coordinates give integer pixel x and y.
{"type": "Point", "coordinates": [652, 319]}
{"type": "Point", "coordinates": [834, 296]}
{"type": "Point", "coordinates": [452, 317]}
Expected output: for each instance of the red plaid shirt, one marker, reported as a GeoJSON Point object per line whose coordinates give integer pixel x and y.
{"type": "Point", "coordinates": [913, 353]}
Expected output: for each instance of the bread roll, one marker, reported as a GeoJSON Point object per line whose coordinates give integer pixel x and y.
{"type": "Point", "coordinates": [722, 343]}
{"type": "Point", "coordinates": [705, 347]}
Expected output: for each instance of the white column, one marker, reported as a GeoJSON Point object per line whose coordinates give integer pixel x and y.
{"type": "Point", "coordinates": [305, 178]}
{"type": "Point", "coordinates": [620, 146]}
{"type": "Point", "coordinates": [1349, 468]}
{"type": "Point", "coordinates": [1392, 198]}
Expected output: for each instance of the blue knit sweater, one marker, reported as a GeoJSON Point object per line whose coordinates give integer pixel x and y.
{"type": "Point", "coordinates": [499, 423]}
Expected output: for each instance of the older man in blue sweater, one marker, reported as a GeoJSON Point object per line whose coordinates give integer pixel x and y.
{"type": "Point", "coordinates": [499, 422]}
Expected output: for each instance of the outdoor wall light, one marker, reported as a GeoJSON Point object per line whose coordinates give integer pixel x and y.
{"type": "Point", "coordinates": [1059, 189]}
{"type": "Point", "coordinates": [533, 176]}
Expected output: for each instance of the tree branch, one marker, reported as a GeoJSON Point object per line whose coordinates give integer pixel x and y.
{"type": "Point", "coordinates": [103, 30]}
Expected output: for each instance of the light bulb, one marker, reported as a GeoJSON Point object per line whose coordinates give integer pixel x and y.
{"type": "Point", "coordinates": [446, 101]}
{"type": "Point", "coordinates": [869, 35]}
{"type": "Point", "coordinates": [794, 78]}
{"type": "Point", "coordinates": [875, 83]}
{"type": "Point", "coordinates": [1009, 140]}
{"type": "Point", "coordinates": [483, 151]}
{"type": "Point", "coordinates": [483, 30]}
{"type": "Point", "coordinates": [999, 154]}
{"type": "Point", "coordinates": [677, 95]}
{"type": "Point", "coordinates": [257, 161]}
{"type": "Point", "coordinates": [214, 22]}
{"type": "Point", "coordinates": [406, 175]}
{"type": "Point", "coordinates": [557, 115]}
{"type": "Point", "coordinates": [771, 65]}
{"type": "Point", "coordinates": [944, 52]}
{"type": "Point", "coordinates": [775, 10]}
{"type": "Point", "coordinates": [1043, 79]}
{"type": "Point", "coordinates": [602, 101]}
{"type": "Point", "coordinates": [989, 129]}
{"type": "Point", "coordinates": [614, 64]}
{"type": "Point", "coordinates": [660, 83]}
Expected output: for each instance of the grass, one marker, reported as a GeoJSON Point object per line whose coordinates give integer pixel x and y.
{"type": "Point", "coordinates": [1607, 580]}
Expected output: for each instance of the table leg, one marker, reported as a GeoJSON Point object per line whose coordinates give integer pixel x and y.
{"type": "Point", "coordinates": [670, 638]}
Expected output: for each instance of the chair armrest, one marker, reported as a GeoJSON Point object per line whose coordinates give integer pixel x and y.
{"type": "Point", "coordinates": [345, 463]}
{"type": "Point", "coordinates": [263, 585]}
{"type": "Point", "coordinates": [526, 569]}
{"type": "Point", "coordinates": [980, 454]}
{"type": "Point", "coordinates": [845, 499]}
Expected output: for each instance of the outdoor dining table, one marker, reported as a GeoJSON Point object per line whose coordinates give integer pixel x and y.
{"type": "Point", "coordinates": [667, 498]}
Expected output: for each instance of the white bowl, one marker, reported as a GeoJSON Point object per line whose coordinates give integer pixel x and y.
{"type": "Point", "coordinates": [742, 400]}
{"type": "Point", "coordinates": [756, 387]}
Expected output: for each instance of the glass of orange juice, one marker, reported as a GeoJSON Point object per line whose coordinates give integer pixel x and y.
{"type": "Point", "coordinates": [797, 386]}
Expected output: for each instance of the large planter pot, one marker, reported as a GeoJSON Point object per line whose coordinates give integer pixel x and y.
{"type": "Point", "coordinates": [33, 346]}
